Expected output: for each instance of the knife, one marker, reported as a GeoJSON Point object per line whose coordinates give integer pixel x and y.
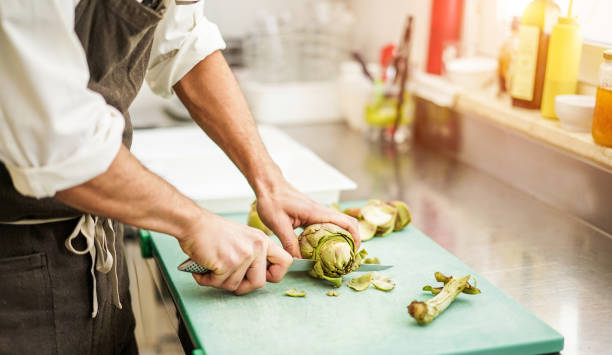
{"type": "Point", "coordinates": [297, 265]}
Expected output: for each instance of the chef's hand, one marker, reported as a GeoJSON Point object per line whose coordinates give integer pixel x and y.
{"type": "Point", "coordinates": [236, 255]}
{"type": "Point", "coordinates": [283, 208]}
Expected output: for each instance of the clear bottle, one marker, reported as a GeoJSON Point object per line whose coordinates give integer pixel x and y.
{"type": "Point", "coordinates": [530, 62]}
{"type": "Point", "coordinates": [602, 116]}
{"type": "Point", "coordinates": [507, 53]}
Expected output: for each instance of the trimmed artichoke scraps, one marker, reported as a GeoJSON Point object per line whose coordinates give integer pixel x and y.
{"type": "Point", "coordinates": [292, 292]}
{"type": "Point", "coordinates": [382, 282]}
{"type": "Point", "coordinates": [360, 283]}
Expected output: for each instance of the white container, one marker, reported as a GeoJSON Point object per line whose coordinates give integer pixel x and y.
{"type": "Point", "coordinates": [293, 103]}
{"type": "Point", "coordinates": [575, 112]}
{"type": "Point", "coordinates": [189, 160]}
{"type": "Point", "coordinates": [355, 93]}
{"type": "Point", "coordinates": [471, 73]}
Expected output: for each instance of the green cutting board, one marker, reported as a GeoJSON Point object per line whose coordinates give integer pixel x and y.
{"type": "Point", "coordinates": [268, 322]}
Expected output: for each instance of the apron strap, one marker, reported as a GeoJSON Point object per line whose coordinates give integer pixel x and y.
{"type": "Point", "coordinates": [98, 233]}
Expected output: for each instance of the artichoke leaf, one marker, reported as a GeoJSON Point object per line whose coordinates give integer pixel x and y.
{"type": "Point", "coordinates": [433, 290]}
{"type": "Point", "coordinates": [373, 260]}
{"type": "Point", "coordinates": [360, 283]}
{"type": "Point", "coordinates": [367, 230]}
{"type": "Point", "coordinates": [403, 215]}
{"type": "Point", "coordinates": [382, 283]}
{"type": "Point", "coordinates": [292, 292]}
{"type": "Point", "coordinates": [317, 272]}
{"type": "Point", "coordinates": [333, 293]}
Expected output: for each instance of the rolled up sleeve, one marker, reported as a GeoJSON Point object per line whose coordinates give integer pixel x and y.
{"type": "Point", "coordinates": [54, 132]}
{"type": "Point", "coordinates": [182, 39]}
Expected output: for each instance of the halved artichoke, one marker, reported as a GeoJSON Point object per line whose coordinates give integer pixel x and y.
{"type": "Point", "coordinates": [367, 230]}
{"type": "Point", "coordinates": [380, 214]}
{"type": "Point", "coordinates": [403, 215]}
{"type": "Point", "coordinates": [254, 221]}
{"type": "Point", "coordinates": [333, 248]}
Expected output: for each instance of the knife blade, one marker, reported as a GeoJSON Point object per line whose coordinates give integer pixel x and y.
{"type": "Point", "coordinates": [297, 265]}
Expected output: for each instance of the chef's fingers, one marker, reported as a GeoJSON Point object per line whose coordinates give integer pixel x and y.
{"type": "Point", "coordinates": [279, 261]}
{"type": "Point", "coordinates": [255, 276]}
{"type": "Point", "coordinates": [218, 278]}
{"type": "Point", "coordinates": [232, 283]}
{"type": "Point", "coordinates": [211, 279]}
{"type": "Point", "coordinates": [284, 231]}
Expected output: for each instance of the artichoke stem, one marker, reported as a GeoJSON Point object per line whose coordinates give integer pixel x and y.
{"type": "Point", "coordinates": [469, 289]}
{"type": "Point", "coordinates": [425, 312]}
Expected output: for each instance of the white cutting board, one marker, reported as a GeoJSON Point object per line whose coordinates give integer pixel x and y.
{"type": "Point", "coordinates": [189, 160]}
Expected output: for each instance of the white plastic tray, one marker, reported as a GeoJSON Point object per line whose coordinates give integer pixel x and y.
{"type": "Point", "coordinates": [188, 159]}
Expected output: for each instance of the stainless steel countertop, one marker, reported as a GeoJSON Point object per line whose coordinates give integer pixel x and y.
{"type": "Point", "coordinates": [554, 264]}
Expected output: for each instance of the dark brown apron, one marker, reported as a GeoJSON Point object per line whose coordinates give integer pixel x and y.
{"type": "Point", "coordinates": [46, 291]}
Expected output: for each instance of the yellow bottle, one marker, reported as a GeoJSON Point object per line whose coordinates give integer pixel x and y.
{"type": "Point", "coordinates": [562, 64]}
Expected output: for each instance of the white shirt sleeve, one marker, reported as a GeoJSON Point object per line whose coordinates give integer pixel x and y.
{"type": "Point", "coordinates": [54, 132]}
{"type": "Point", "coordinates": [182, 39]}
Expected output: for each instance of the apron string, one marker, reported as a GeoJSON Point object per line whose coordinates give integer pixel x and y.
{"type": "Point", "coordinates": [97, 232]}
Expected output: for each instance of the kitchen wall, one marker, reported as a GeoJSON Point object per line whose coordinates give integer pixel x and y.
{"type": "Point", "coordinates": [376, 22]}
{"type": "Point", "coordinates": [381, 22]}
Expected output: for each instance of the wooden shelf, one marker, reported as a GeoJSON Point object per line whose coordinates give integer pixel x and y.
{"type": "Point", "coordinates": [532, 124]}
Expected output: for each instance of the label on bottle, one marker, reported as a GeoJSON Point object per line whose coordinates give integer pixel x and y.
{"type": "Point", "coordinates": [526, 60]}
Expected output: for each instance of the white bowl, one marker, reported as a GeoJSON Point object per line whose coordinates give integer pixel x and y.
{"type": "Point", "coordinates": [575, 112]}
{"type": "Point", "coordinates": [472, 72]}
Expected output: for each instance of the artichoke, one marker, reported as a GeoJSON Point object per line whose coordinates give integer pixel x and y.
{"type": "Point", "coordinates": [367, 230]}
{"type": "Point", "coordinates": [403, 215]}
{"type": "Point", "coordinates": [380, 214]}
{"type": "Point", "coordinates": [380, 218]}
{"type": "Point", "coordinates": [254, 221]}
{"type": "Point", "coordinates": [333, 249]}
{"type": "Point", "coordinates": [425, 312]}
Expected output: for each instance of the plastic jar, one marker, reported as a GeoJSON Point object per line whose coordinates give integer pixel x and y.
{"type": "Point", "coordinates": [602, 116]}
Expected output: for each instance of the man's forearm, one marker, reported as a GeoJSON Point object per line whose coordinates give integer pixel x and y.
{"type": "Point", "coordinates": [128, 192]}
{"type": "Point", "coordinates": [214, 100]}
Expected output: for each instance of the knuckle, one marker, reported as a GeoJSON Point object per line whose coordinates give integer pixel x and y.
{"type": "Point", "coordinates": [276, 278]}
{"type": "Point", "coordinates": [217, 283]}
{"type": "Point", "coordinates": [259, 283]}
{"type": "Point", "coordinates": [259, 243]}
{"type": "Point", "coordinates": [235, 259]}
{"type": "Point", "coordinates": [231, 286]}
{"type": "Point", "coordinates": [201, 281]}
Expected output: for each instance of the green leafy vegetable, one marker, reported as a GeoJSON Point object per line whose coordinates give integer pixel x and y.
{"type": "Point", "coordinates": [333, 249]}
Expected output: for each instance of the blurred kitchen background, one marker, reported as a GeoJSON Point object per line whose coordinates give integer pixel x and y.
{"type": "Point", "coordinates": [499, 140]}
